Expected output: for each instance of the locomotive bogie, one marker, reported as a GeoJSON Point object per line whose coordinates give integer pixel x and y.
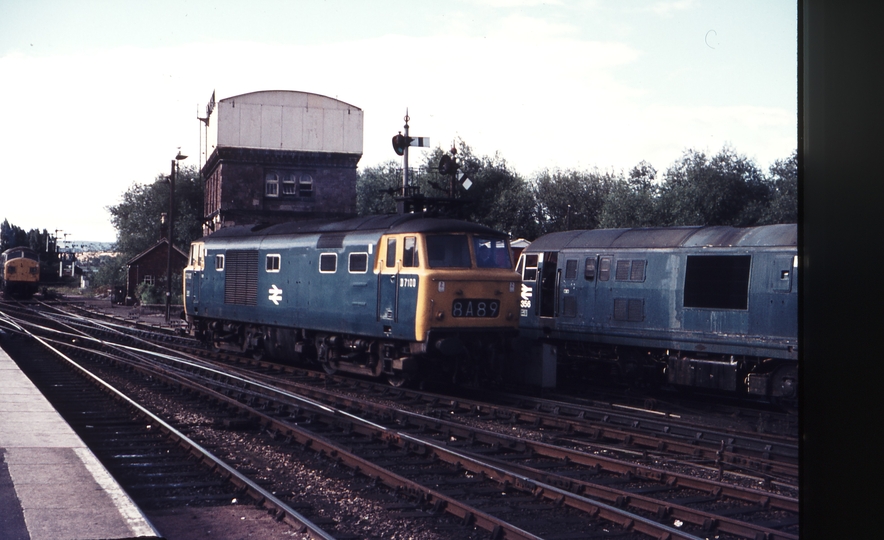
{"type": "Point", "coordinates": [704, 307]}
{"type": "Point", "coordinates": [361, 296]}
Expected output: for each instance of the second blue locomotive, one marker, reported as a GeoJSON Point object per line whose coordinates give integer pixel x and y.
{"type": "Point", "coordinates": [704, 307]}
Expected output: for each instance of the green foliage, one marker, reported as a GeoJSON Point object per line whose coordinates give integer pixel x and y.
{"type": "Point", "coordinates": [11, 236]}
{"type": "Point", "coordinates": [632, 202]}
{"type": "Point", "coordinates": [724, 189]}
{"type": "Point", "coordinates": [783, 184]}
{"type": "Point", "coordinates": [498, 197]}
{"type": "Point", "coordinates": [150, 294]}
{"type": "Point", "coordinates": [568, 199]}
{"type": "Point", "coordinates": [111, 271]}
{"type": "Point", "coordinates": [727, 189]}
{"type": "Point", "coordinates": [375, 187]}
{"type": "Point", "coordinates": [137, 217]}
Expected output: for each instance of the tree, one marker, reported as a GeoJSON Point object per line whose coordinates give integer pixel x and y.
{"type": "Point", "coordinates": [11, 236]}
{"type": "Point", "coordinates": [138, 217]}
{"type": "Point", "coordinates": [375, 188]}
{"type": "Point", "coordinates": [727, 189]}
{"type": "Point", "coordinates": [498, 197]}
{"type": "Point", "coordinates": [569, 199]}
{"type": "Point", "coordinates": [632, 202]}
{"type": "Point", "coordinates": [783, 184]}
{"type": "Point", "coordinates": [111, 271]}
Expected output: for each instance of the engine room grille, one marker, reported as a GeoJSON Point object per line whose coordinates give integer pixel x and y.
{"type": "Point", "coordinates": [241, 278]}
{"type": "Point", "coordinates": [629, 309]}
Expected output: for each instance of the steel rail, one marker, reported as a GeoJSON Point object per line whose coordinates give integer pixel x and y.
{"type": "Point", "coordinates": [263, 496]}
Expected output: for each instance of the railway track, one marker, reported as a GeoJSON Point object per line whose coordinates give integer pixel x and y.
{"type": "Point", "coordinates": [446, 462]}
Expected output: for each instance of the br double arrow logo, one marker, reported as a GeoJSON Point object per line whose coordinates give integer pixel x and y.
{"type": "Point", "coordinates": [275, 294]}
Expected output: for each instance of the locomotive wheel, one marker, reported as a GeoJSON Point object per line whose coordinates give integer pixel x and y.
{"type": "Point", "coordinates": [328, 368]}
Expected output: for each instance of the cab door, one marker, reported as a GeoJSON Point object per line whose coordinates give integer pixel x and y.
{"type": "Point", "coordinates": [193, 277]}
{"type": "Point", "coordinates": [388, 282]}
{"type": "Point", "coordinates": [549, 277]}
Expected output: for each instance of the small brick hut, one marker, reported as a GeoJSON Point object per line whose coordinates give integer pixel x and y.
{"type": "Point", "coordinates": [149, 266]}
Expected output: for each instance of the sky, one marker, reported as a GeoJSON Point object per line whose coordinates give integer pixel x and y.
{"type": "Point", "coordinates": [97, 96]}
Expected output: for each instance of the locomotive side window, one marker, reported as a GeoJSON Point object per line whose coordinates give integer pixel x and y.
{"type": "Point", "coordinates": [448, 251]}
{"type": "Point", "coordinates": [530, 273]}
{"type": "Point", "coordinates": [328, 263]}
{"type": "Point", "coordinates": [219, 262]}
{"type": "Point", "coordinates": [604, 268]}
{"type": "Point", "coordinates": [571, 269]}
{"type": "Point", "coordinates": [717, 281]}
{"type": "Point", "coordinates": [391, 252]}
{"type": "Point", "coordinates": [272, 264]}
{"type": "Point", "coordinates": [410, 257]}
{"type": "Point", "coordinates": [358, 263]}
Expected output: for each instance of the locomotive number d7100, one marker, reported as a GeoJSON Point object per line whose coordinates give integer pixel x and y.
{"type": "Point", "coordinates": [475, 308]}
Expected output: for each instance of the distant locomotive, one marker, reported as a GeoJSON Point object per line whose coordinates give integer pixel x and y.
{"type": "Point", "coordinates": [396, 296]}
{"type": "Point", "coordinates": [705, 307]}
{"type": "Point", "coordinates": [19, 272]}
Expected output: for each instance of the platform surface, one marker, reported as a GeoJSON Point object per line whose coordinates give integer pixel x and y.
{"type": "Point", "coordinates": [52, 486]}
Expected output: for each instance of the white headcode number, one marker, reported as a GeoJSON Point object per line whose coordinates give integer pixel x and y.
{"type": "Point", "coordinates": [475, 308]}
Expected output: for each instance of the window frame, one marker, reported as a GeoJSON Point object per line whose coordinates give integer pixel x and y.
{"type": "Point", "coordinates": [410, 254]}
{"type": "Point", "coordinates": [350, 263]}
{"type": "Point", "coordinates": [305, 185]}
{"type": "Point", "coordinates": [219, 258]}
{"type": "Point", "coordinates": [272, 268]}
{"type": "Point", "coordinates": [271, 179]}
{"type": "Point", "coordinates": [325, 256]}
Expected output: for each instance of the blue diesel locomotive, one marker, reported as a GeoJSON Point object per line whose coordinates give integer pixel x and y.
{"type": "Point", "coordinates": [704, 307]}
{"type": "Point", "coordinates": [400, 296]}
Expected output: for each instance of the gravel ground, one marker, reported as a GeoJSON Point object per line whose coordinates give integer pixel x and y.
{"type": "Point", "coordinates": [351, 503]}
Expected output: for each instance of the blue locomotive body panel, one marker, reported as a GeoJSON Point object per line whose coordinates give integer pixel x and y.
{"type": "Point", "coordinates": [695, 294]}
{"type": "Point", "coordinates": [370, 295]}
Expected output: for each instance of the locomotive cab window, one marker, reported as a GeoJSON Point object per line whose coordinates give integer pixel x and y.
{"type": "Point", "coordinates": [571, 269]}
{"type": "Point", "coordinates": [529, 273]}
{"type": "Point", "coordinates": [391, 252]}
{"type": "Point", "coordinates": [491, 253]}
{"type": "Point", "coordinates": [197, 253]}
{"type": "Point", "coordinates": [410, 258]}
{"type": "Point", "coordinates": [272, 264]}
{"type": "Point", "coordinates": [328, 263]}
{"type": "Point", "coordinates": [219, 262]}
{"type": "Point", "coordinates": [448, 251]}
{"type": "Point", "coordinates": [358, 263]}
{"type": "Point", "coordinates": [717, 281]}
